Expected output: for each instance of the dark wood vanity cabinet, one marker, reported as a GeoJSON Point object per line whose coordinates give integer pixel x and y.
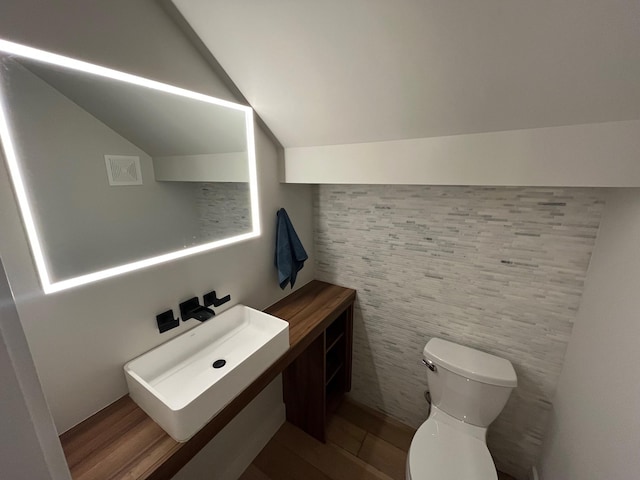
{"type": "Point", "coordinates": [314, 383]}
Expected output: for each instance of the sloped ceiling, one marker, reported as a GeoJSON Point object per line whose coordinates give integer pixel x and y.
{"type": "Point", "coordinates": [347, 71]}
{"type": "Point", "coordinates": [158, 123]}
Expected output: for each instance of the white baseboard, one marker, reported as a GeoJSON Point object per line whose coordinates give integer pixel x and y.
{"type": "Point", "coordinates": [255, 443]}
{"type": "Point", "coordinates": [533, 474]}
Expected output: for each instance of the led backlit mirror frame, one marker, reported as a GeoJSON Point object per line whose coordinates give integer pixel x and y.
{"type": "Point", "coordinates": [13, 163]}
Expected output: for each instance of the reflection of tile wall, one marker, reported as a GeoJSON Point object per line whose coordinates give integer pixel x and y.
{"type": "Point", "coordinates": [498, 269]}
{"type": "Point", "coordinates": [224, 209]}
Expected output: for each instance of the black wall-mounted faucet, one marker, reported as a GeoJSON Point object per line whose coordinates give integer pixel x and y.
{"type": "Point", "coordinates": [192, 309]}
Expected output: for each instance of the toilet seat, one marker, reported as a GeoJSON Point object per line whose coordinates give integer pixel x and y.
{"type": "Point", "coordinates": [440, 450]}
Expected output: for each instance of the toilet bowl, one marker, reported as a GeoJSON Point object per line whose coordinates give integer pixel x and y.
{"type": "Point", "coordinates": [468, 389]}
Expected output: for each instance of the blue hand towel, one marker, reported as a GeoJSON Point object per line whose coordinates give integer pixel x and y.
{"type": "Point", "coordinates": [290, 254]}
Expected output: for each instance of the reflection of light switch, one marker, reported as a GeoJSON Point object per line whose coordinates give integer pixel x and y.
{"type": "Point", "coordinates": [123, 170]}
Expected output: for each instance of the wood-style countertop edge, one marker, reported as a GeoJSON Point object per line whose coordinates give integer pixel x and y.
{"type": "Point", "coordinates": [121, 441]}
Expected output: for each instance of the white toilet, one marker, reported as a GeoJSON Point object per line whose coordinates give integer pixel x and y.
{"type": "Point", "coordinates": [468, 389]}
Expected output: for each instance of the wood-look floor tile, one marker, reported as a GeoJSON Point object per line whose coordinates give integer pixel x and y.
{"type": "Point", "coordinates": [380, 425]}
{"type": "Point", "coordinates": [335, 462]}
{"type": "Point", "coordinates": [254, 473]}
{"type": "Point", "coordinates": [385, 457]}
{"type": "Point", "coordinates": [281, 463]}
{"type": "Point", "coordinates": [380, 442]}
{"type": "Point", "coordinates": [345, 434]}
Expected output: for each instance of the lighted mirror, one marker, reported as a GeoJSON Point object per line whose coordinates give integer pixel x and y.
{"type": "Point", "coordinates": [114, 172]}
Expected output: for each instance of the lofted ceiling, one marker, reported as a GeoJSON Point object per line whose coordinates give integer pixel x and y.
{"type": "Point", "coordinates": [336, 72]}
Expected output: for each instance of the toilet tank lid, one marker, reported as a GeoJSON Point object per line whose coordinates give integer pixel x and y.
{"type": "Point", "coordinates": [471, 363]}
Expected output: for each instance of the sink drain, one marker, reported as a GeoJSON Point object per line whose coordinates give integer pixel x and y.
{"type": "Point", "coordinates": [219, 363]}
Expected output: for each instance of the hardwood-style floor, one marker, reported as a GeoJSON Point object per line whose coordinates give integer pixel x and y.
{"type": "Point", "coordinates": [362, 444]}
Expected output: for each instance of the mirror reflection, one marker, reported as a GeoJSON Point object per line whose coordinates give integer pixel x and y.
{"type": "Point", "coordinates": [117, 173]}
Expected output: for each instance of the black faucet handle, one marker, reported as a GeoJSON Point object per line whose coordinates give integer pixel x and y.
{"type": "Point", "coordinates": [211, 298]}
{"type": "Point", "coordinates": [166, 321]}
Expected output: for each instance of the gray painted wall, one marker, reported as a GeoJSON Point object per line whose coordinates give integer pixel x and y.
{"type": "Point", "coordinates": [29, 447]}
{"type": "Point", "coordinates": [81, 338]}
{"type": "Point", "coordinates": [498, 269]}
{"type": "Point", "coordinates": [594, 430]}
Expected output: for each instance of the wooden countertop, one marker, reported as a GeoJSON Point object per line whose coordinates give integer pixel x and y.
{"type": "Point", "coordinates": [121, 441]}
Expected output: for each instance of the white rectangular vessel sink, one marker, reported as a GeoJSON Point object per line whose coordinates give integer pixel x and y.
{"type": "Point", "coordinates": [176, 383]}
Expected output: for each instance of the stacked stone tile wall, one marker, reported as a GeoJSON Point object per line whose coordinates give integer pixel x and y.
{"type": "Point", "coordinates": [224, 209]}
{"type": "Point", "coordinates": [497, 269]}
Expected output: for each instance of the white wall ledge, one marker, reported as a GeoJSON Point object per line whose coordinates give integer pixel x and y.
{"type": "Point", "coordinates": [590, 155]}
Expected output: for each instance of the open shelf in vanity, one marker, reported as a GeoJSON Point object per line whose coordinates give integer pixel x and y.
{"type": "Point", "coordinates": [314, 383]}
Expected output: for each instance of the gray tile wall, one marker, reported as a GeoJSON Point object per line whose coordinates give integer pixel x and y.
{"type": "Point", "coordinates": [498, 269]}
{"type": "Point", "coordinates": [224, 209]}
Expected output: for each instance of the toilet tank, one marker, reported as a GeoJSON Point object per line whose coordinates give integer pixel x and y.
{"type": "Point", "coordinates": [468, 384]}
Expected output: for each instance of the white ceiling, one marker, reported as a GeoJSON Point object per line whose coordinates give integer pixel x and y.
{"type": "Point", "coordinates": [346, 71]}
